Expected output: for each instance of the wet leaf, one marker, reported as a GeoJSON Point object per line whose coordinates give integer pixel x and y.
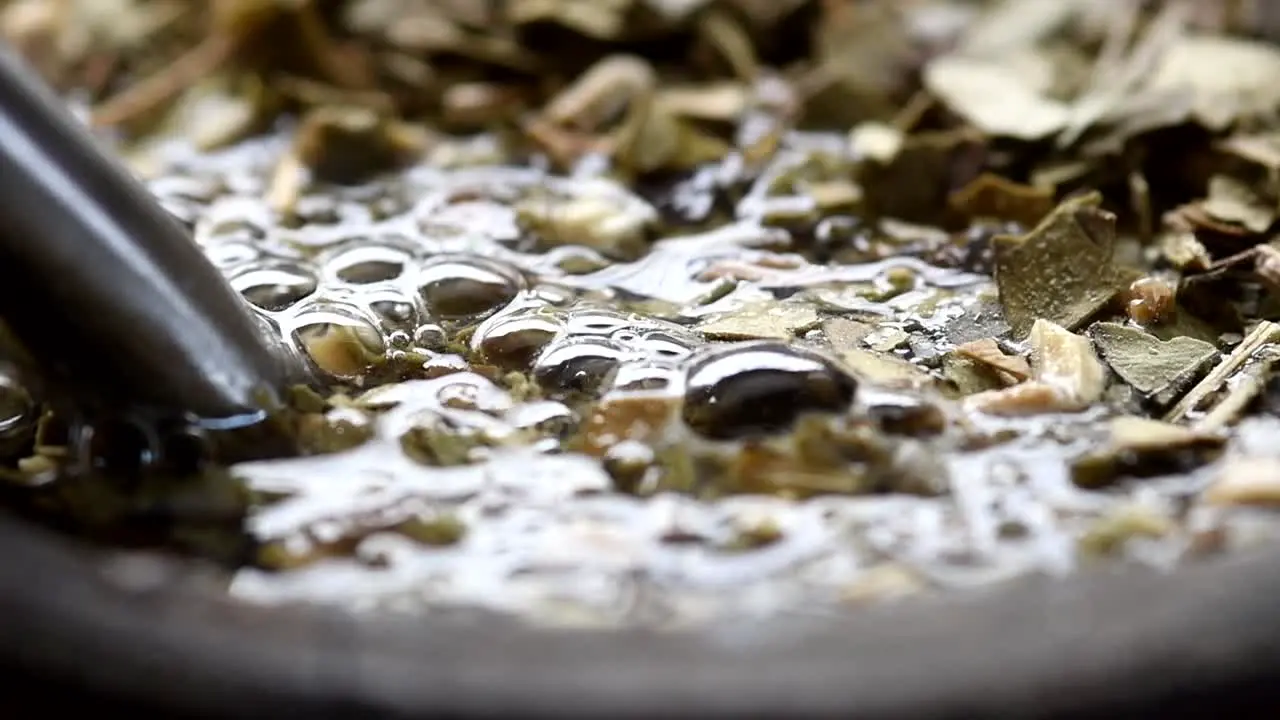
{"type": "Point", "coordinates": [970, 377]}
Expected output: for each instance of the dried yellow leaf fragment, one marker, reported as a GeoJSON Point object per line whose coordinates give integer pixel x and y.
{"type": "Point", "coordinates": [1066, 377]}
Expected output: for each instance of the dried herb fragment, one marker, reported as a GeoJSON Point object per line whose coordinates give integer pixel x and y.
{"type": "Point", "coordinates": [761, 321]}
{"type": "Point", "coordinates": [843, 333]}
{"type": "Point", "coordinates": [883, 582]}
{"type": "Point", "coordinates": [1109, 534]}
{"type": "Point", "coordinates": [1159, 369]}
{"type": "Point", "coordinates": [1227, 79]}
{"type": "Point", "coordinates": [883, 370]}
{"type": "Point", "coordinates": [1062, 271]}
{"type": "Point", "coordinates": [1000, 98]}
{"type": "Point", "coordinates": [1141, 447]}
{"type": "Point", "coordinates": [1245, 481]}
{"type": "Point", "coordinates": [1264, 334]}
{"type": "Point", "coordinates": [987, 351]}
{"type": "Point", "coordinates": [993, 197]}
{"type": "Point", "coordinates": [1067, 377]}
{"type": "Point", "coordinates": [1232, 201]}
{"type": "Point", "coordinates": [438, 531]}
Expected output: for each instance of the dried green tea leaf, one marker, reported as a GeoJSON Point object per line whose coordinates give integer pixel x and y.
{"type": "Point", "coordinates": [988, 352]}
{"type": "Point", "coordinates": [1131, 433]}
{"type": "Point", "coordinates": [1184, 251]}
{"type": "Point", "coordinates": [1067, 377]}
{"type": "Point", "coordinates": [844, 333]}
{"type": "Point", "coordinates": [970, 377]}
{"type": "Point", "coordinates": [884, 582]}
{"type": "Point", "coordinates": [913, 184]}
{"type": "Point", "coordinates": [880, 369]}
{"type": "Point", "coordinates": [886, 338]}
{"type": "Point", "coordinates": [1066, 360]}
{"type": "Point", "coordinates": [1262, 148]}
{"type": "Point", "coordinates": [1062, 271]}
{"type": "Point", "coordinates": [1245, 481]}
{"type": "Point", "coordinates": [1141, 447]}
{"type": "Point", "coordinates": [1228, 78]}
{"type": "Point", "coordinates": [598, 19]}
{"type": "Point", "coordinates": [875, 141]}
{"type": "Point", "coordinates": [1159, 369]}
{"type": "Point", "coordinates": [214, 114]}
{"type": "Point", "coordinates": [766, 320]}
{"type": "Point", "coordinates": [997, 98]}
{"type": "Point", "coordinates": [1263, 335]}
{"type": "Point", "coordinates": [343, 145]}
{"type": "Point", "coordinates": [721, 102]}
{"type": "Point", "coordinates": [598, 214]}
{"type": "Point", "coordinates": [1109, 534]}
{"type": "Point", "coordinates": [993, 197]}
{"type": "Point", "coordinates": [1011, 25]}
{"type": "Point", "coordinates": [1231, 200]}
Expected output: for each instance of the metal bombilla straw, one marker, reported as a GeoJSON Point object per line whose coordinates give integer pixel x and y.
{"type": "Point", "coordinates": [116, 309]}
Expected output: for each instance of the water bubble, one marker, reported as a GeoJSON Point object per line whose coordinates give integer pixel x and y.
{"type": "Point", "coordinates": [394, 309]}
{"type": "Point", "coordinates": [337, 339]}
{"type": "Point", "coordinates": [760, 388]}
{"type": "Point", "coordinates": [584, 365]}
{"type": "Point", "coordinates": [462, 287]}
{"type": "Point", "coordinates": [513, 341]}
{"type": "Point", "coordinates": [366, 263]}
{"type": "Point", "coordinates": [430, 337]}
{"type": "Point", "coordinates": [275, 287]}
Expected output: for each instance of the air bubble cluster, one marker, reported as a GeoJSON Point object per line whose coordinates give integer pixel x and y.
{"type": "Point", "coordinates": [531, 419]}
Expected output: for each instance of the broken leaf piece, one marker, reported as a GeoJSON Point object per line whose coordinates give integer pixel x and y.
{"type": "Point", "coordinates": [1245, 481]}
{"type": "Point", "coordinates": [1158, 369]}
{"type": "Point", "coordinates": [1062, 270]}
{"type": "Point", "coordinates": [997, 98]}
{"type": "Point", "coordinates": [1138, 434]}
{"type": "Point", "coordinates": [1231, 200]}
{"type": "Point", "coordinates": [349, 144]}
{"type": "Point", "coordinates": [762, 321]}
{"type": "Point", "coordinates": [1264, 334]}
{"type": "Point", "coordinates": [844, 333]}
{"type": "Point", "coordinates": [1141, 447]}
{"type": "Point", "coordinates": [884, 370]}
{"type": "Point", "coordinates": [988, 352]}
{"type": "Point", "coordinates": [886, 338]}
{"type": "Point", "coordinates": [1227, 78]}
{"type": "Point", "coordinates": [1067, 377]}
{"type": "Point", "coordinates": [1109, 534]}
{"type": "Point", "coordinates": [968, 376]}
{"type": "Point", "coordinates": [886, 581]}
{"type": "Point", "coordinates": [993, 197]}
